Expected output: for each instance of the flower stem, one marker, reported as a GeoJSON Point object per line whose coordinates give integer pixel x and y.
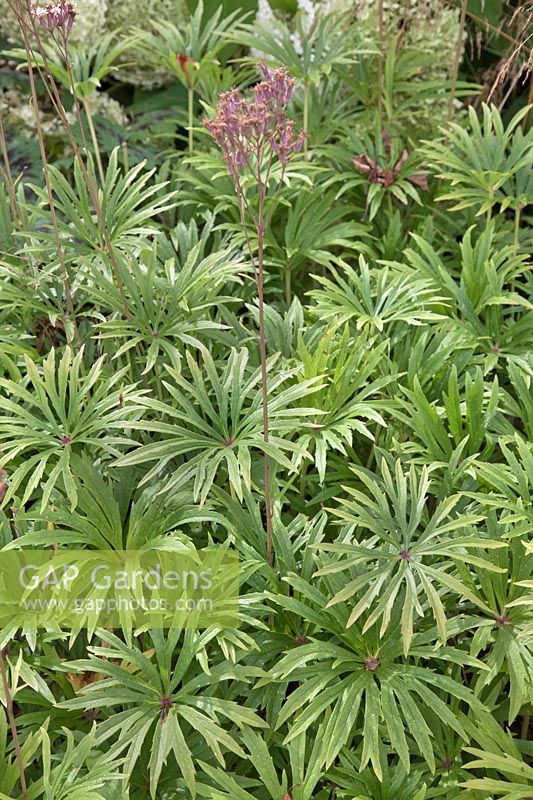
{"type": "Point", "coordinates": [264, 387]}
{"type": "Point", "coordinates": [288, 286]}
{"type": "Point", "coordinates": [6, 172]}
{"type": "Point", "coordinates": [94, 140]}
{"type": "Point", "coordinates": [307, 89]}
{"type": "Point", "coordinates": [190, 93]}
{"type": "Point", "coordinates": [527, 119]}
{"type": "Point", "coordinates": [19, 12]}
{"type": "Point", "coordinates": [517, 227]}
{"type": "Point", "coordinates": [13, 725]}
{"type": "Point", "coordinates": [381, 55]}
{"type": "Point", "coordinates": [55, 97]}
{"type": "Point", "coordinates": [125, 157]}
{"type": "Point", "coordinates": [457, 59]}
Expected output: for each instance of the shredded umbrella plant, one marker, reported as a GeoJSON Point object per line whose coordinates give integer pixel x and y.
{"type": "Point", "coordinates": [257, 140]}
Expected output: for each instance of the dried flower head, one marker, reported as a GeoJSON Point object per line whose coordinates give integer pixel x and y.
{"type": "Point", "coordinates": [245, 127]}
{"type": "Point", "coordinates": [183, 62]}
{"type": "Point", "coordinates": [386, 177]}
{"type": "Point", "coordinates": [56, 16]}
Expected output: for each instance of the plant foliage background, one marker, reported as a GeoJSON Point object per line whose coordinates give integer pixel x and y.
{"type": "Point", "coordinates": [385, 651]}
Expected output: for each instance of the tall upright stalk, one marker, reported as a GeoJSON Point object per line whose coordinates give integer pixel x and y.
{"type": "Point", "coordinates": [526, 122]}
{"type": "Point", "coordinates": [55, 97]}
{"type": "Point", "coordinates": [517, 213]}
{"type": "Point", "coordinates": [67, 284]}
{"type": "Point", "coordinates": [307, 89]}
{"type": "Point", "coordinates": [288, 285]}
{"type": "Point", "coordinates": [381, 55]}
{"type": "Point", "coordinates": [269, 511]}
{"type": "Point", "coordinates": [6, 172]}
{"type": "Point", "coordinates": [190, 97]}
{"type": "Point", "coordinates": [13, 724]}
{"type": "Point", "coordinates": [252, 135]}
{"type": "Point", "coordinates": [259, 273]}
{"type": "Point", "coordinates": [457, 59]}
{"type": "Point", "coordinates": [94, 140]}
{"type": "Point", "coordinates": [125, 157]}
{"type": "Point", "coordinates": [184, 63]}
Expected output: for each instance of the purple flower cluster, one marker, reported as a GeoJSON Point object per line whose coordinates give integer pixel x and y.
{"type": "Point", "coordinates": [245, 127]}
{"type": "Point", "coordinates": [54, 16]}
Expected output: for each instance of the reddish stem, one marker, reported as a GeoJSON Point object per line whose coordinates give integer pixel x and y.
{"type": "Point", "coordinates": [13, 726]}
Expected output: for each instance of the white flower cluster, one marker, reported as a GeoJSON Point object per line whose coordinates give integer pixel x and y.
{"type": "Point", "coordinates": [307, 13]}
{"type": "Point", "coordinates": [106, 106]}
{"type": "Point", "coordinates": [425, 24]}
{"type": "Point", "coordinates": [95, 17]}
{"type": "Point", "coordinates": [87, 29]}
{"type": "Point", "coordinates": [17, 112]}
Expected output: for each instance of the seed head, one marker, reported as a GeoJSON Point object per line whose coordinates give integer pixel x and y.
{"type": "Point", "coordinates": [246, 127]}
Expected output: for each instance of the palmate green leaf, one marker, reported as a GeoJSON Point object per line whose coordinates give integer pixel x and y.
{"type": "Point", "coordinates": [201, 39]}
{"type": "Point", "coordinates": [465, 417]}
{"type": "Point", "coordinates": [151, 520]}
{"type": "Point", "coordinates": [519, 401]}
{"type": "Point", "coordinates": [362, 686]}
{"type": "Point", "coordinates": [507, 648]}
{"type": "Point", "coordinates": [511, 485]}
{"type": "Point", "coordinates": [57, 411]}
{"type": "Point", "coordinates": [21, 675]}
{"type": "Point", "coordinates": [297, 244]}
{"type": "Point", "coordinates": [397, 784]}
{"type": "Point", "coordinates": [352, 398]}
{"type": "Point", "coordinates": [12, 349]}
{"type": "Point", "coordinates": [325, 47]}
{"type": "Point", "coordinates": [518, 774]}
{"type": "Point", "coordinates": [129, 205]}
{"type": "Point", "coordinates": [167, 309]}
{"type": "Point", "coordinates": [486, 164]}
{"type": "Point", "coordinates": [82, 770]}
{"type": "Point", "coordinates": [374, 300]}
{"type": "Point", "coordinates": [410, 553]}
{"type": "Point", "coordinates": [291, 244]}
{"type": "Point", "coordinates": [217, 421]}
{"type": "Point", "coordinates": [89, 65]}
{"type": "Point", "coordinates": [488, 301]}
{"type": "Point", "coordinates": [300, 778]}
{"type": "Point", "coordinates": [390, 157]}
{"type": "Point", "coordinates": [26, 294]}
{"type": "Point", "coordinates": [9, 771]}
{"type": "Point", "coordinates": [164, 700]}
